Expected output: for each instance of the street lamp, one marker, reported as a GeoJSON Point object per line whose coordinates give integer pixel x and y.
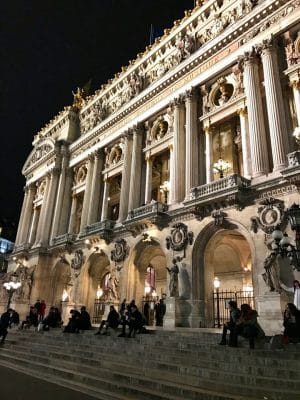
{"type": "Point", "coordinates": [165, 188]}
{"type": "Point", "coordinates": [11, 287]}
{"type": "Point", "coordinates": [217, 285]}
{"type": "Point", "coordinates": [282, 243]}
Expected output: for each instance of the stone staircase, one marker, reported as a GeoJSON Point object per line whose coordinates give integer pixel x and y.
{"type": "Point", "coordinates": [178, 365]}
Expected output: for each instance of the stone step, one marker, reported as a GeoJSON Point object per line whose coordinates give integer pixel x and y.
{"type": "Point", "coordinates": [208, 352]}
{"type": "Point", "coordinates": [205, 379]}
{"type": "Point", "coordinates": [135, 387]}
{"type": "Point", "coordinates": [178, 364]}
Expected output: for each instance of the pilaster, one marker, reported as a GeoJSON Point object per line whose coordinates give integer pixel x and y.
{"type": "Point", "coordinates": [208, 154]}
{"type": "Point", "coordinates": [136, 169]}
{"type": "Point", "coordinates": [125, 186]}
{"type": "Point", "coordinates": [245, 142]}
{"type": "Point", "coordinates": [148, 188]}
{"type": "Point", "coordinates": [96, 188]}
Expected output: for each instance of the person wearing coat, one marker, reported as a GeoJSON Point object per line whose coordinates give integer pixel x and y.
{"type": "Point", "coordinates": [112, 321]}
{"type": "Point", "coordinates": [294, 289]}
{"type": "Point", "coordinates": [4, 324]}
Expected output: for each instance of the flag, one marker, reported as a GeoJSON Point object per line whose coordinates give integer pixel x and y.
{"type": "Point", "coordinates": [155, 32]}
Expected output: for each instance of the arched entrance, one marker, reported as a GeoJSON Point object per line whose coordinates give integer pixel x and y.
{"type": "Point", "coordinates": [93, 276]}
{"type": "Point", "coordinates": [60, 279]}
{"type": "Point", "coordinates": [225, 255]}
{"type": "Point", "coordinates": [147, 277]}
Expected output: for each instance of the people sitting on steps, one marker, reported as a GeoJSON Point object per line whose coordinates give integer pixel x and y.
{"type": "Point", "coordinates": [4, 324]}
{"type": "Point", "coordinates": [32, 319]}
{"type": "Point", "coordinates": [235, 314]}
{"type": "Point", "coordinates": [137, 321]}
{"type": "Point", "coordinates": [85, 319]}
{"type": "Point", "coordinates": [112, 321]}
{"type": "Point", "coordinates": [291, 323]}
{"type": "Point", "coordinates": [73, 325]}
{"type": "Point", "coordinates": [247, 326]}
{"type": "Point", "coordinates": [53, 319]}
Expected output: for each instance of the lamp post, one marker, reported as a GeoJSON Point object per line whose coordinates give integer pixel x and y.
{"type": "Point", "coordinates": [282, 243]}
{"type": "Point", "coordinates": [11, 287]}
{"type": "Point", "coordinates": [217, 284]}
{"type": "Point", "coordinates": [165, 188]}
{"type": "Point", "coordinates": [221, 167]}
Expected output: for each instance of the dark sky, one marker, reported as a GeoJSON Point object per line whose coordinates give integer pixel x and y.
{"type": "Point", "coordinates": [47, 49]}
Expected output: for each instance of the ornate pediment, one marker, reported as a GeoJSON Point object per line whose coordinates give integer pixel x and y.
{"type": "Point", "coordinates": [39, 153]}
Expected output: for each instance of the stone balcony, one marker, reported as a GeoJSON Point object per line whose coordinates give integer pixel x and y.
{"type": "Point", "coordinates": [154, 213]}
{"type": "Point", "coordinates": [63, 239]}
{"type": "Point", "coordinates": [103, 229]}
{"type": "Point", "coordinates": [233, 190]}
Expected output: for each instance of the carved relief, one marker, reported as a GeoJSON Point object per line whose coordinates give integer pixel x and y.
{"type": "Point", "coordinates": [80, 174]}
{"type": "Point", "coordinates": [114, 155]}
{"type": "Point", "coordinates": [120, 251]}
{"type": "Point", "coordinates": [271, 275]}
{"type": "Point", "coordinates": [270, 214]}
{"type": "Point", "coordinates": [77, 262]}
{"type": "Point", "coordinates": [292, 51]}
{"type": "Point", "coordinates": [185, 45]}
{"type": "Point", "coordinates": [92, 117]}
{"type": "Point", "coordinates": [159, 129]}
{"type": "Point", "coordinates": [40, 191]}
{"type": "Point", "coordinates": [179, 238]}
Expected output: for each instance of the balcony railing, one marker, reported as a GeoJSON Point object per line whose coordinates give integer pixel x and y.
{"type": "Point", "coordinates": [228, 184]}
{"type": "Point", "coordinates": [99, 227]}
{"type": "Point", "coordinates": [151, 208]}
{"type": "Point", "coordinates": [62, 239]}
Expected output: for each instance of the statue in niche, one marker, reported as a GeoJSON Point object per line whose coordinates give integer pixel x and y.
{"type": "Point", "coordinates": [173, 285]}
{"type": "Point", "coordinates": [291, 55]}
{"type": "Point", "coordinates": [271, 274]}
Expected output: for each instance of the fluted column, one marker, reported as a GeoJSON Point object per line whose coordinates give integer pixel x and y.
{"type": "Point", "coordinates": [61, 192]}
{"type": "Point", "coordinates": [208, 154]}
{"type": "Point", "coordinates": [96, 185]}
{"type": "Point", "coordinates": [73, 214]}
{"type": "Point", "coordinates": [245, 142]}
{"type": "Point", "coordinates": [43, 211]}
{"type": "Point", "coordinates": [295, 84]}
{"type": "Point", "coordinates": [148, 188]}
{"type": "Point", "coordinates": [87, 193]}
{"type": "Point", "coordinates": [172, 174]}
{"type": "Point", "coordinates": [192, 145]}
{"type": "Point", "coordinates": [105, 200]}
{"type": "Point", "coordinates": [258, 141]}
{"type": "Point", "coordinates": [125, 179]}
{"type": "Point", "coordinates": [34, 225]}
{"type": "Point", "coordinates": [274, 100]}
{"type": "Point", "coordinates": [136, 170]}
{"type": "Point", "coordinates": [26, 215]}
{"type": "Point", "coordinates": [179, 151]}
{"type": "Point", "coordinates": [49, 206]}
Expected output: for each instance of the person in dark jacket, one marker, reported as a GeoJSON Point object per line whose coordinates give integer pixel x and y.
{"type": "Point", "coordinates": [4, 324]}
{"type": "Point", "coordinates": [235, 314]}
{"type": "Point", "coordinates": [85, 319]}
{"type": "Point", "coordinates": [136, 322]}
{"type": "Point", "coordinates": [53, 319]}
{"type": "Point", "coordinates": [160, 310]}
{"type": "Point", "coordinates": [112, 321]}
{"type": "Point", "coordinates": [74, 322]}
{"type": "Point", "coordinates": [291, 322]}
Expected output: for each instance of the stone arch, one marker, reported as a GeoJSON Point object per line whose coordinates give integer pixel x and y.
{"type": "Point", "coordinates": [93, 272]}
{"type": "Point", "coordinates": [208, 247]}
{"type": "Point", "coordinates": [146, 253]}
{"type": "Point", "coordinates": [60, 278]}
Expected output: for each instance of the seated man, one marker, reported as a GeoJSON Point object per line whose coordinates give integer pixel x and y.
{"type": "Point", "coordinates": [113, 320]}
{"type": "Point", "coordinates": [85, 319]}
{"type": "Point", "coordinates": [235, 313]}
{"type": "Point", "coordinates": [53, 319]}
{"type": "Point", "coordinates": [74, 322]}
{"type": "Point", "coordinates": [247, 326]}
{"type": "Point", "coordinates": [15, 318]}
{"type": "Point", "coordinates": [31, 319]}
{"type": "Point", "coordinates": [136, 322]}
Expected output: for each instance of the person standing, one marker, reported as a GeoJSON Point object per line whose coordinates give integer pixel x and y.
{"type": "Point", "coordinates": [160, 310]}
{"type": "Point", "coordinates": [42, 310]}
{"type": "Point", "coordinates": [4, 324]}
{"type": "Point", "coordinates": [294, 289]}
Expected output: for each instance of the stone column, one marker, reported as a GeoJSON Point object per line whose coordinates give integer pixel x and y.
{"type": "Point", "coordinates": [148, 188]}
{"type": "Point", "coordinates": [34, 225]}
{"type": "Point", "coordinates": [105, 200]}
{"type": "Point", "coordinates": [172, 174]}
{"type": "Point", "coordinates": [136, 170]}
{"type": "Point", "coordinates": [43, 212]}
{"type": "Point", "coordinates": [208, 154]}
{"type": "Point", "coordinates": [192, 145]}
{"type": "Point", "coordinates": [245, 142]}
{"type": "Point", "coordinates": [179, 151]}
{"type": "Point", "coordinates": [87, 193]}
{"type": "Point", "coordinates": [274, 100]}
{"type": "Point", "coordinates": [125, 178]}
{"type": "Point", "coordinates": [66, 203]}
{"type": "Point", "coordinates": [258, 141]}
{"type": "Point", "coordinates": [72, 214]}
{"type": "Point", "coordinates": [49, 206]}
{"type": "Point", "coordinates": [296, 91]}
{"type": "Point", "coordinates": [60, 191]}
{"type": "Point", "coordinates": [26, 215]}
{"type": "Point", "coordinates": [93, 213]}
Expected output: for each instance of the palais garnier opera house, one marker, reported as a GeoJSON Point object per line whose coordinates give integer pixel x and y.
{"type": "Point", "coordinates": [187, 160]}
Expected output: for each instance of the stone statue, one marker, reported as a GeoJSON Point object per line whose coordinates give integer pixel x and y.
{"type": "Point", "coordinates": [291, 55]}
{"type": "Point", "coordinates": [271, 274]}
{"type": "Point", "coordinates": [78, 98]}
{"type": "Point", "coordinates": [173, 285]}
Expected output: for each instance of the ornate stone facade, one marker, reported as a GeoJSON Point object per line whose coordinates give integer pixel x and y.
{"type": "Point", "coordinates": [125, 182]}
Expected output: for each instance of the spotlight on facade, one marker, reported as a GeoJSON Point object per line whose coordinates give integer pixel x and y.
{"type": "Point", "coordinates": [296, 135]}
{"type": "Point", "coordinates": [147, 290]}
{"type": "Point", "coordinates": [99, 292]}
{"type": "Point", "coordinates": [217, 283]}
{"type": "Point", "coordinates": [65, 295]}
{"type": "Point", "coordinates": [88, 243]}
{"type": "Point", "coordinates": [282, 245]}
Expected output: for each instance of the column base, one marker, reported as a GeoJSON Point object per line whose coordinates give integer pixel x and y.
{"type": "Point", "coordinates": [270, 313]}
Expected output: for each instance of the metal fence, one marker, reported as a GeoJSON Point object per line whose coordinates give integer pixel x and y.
{"type": "Point", "coordinates": [221, 306]}
{"type": "Point", "coordinates": [99, 308]}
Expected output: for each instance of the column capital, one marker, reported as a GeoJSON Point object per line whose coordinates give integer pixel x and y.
{"type": "Point", "coordinates": [242, 111]}
{"type": "Point", "coordinates": [178, 102]}
{"type": "Point", "coordinates": [171, 147]}
{"type": "Point", "coordinates": [190, 94]}
{"type": "Point", "coordinates": [249, 57]}
{"type": "Point", "coordinates": [149, 157]}
{"type": "Point", "coordinates": [266, 47]}
{"type": "Point", "coordinates": [138, 129]}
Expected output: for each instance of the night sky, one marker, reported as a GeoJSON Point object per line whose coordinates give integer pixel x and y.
{"type": "Point", "coordinates": [50, 47]}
